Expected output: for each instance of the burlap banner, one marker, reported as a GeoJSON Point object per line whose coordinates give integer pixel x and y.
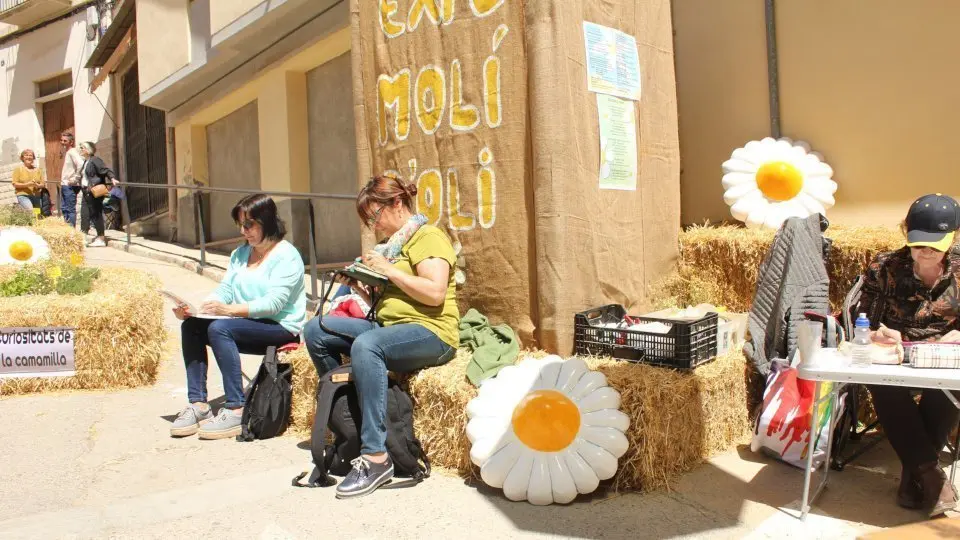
{"type": "Point", "coordinates": [483, 103]}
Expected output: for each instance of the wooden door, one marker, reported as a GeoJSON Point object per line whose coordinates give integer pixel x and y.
{"type": "Point", "coordinates": [145, 147]}
{"type": "Point", "coordinates": [57, 118]}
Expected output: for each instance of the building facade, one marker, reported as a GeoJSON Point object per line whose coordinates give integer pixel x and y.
{"type": "Point", "coordinates": [258, 96]}
{"type": "Point", "coordinates": [869, 85]}
{"type": "Point", "coordinates": [44, 86]}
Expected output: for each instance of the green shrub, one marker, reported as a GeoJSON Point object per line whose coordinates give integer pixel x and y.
{"type": "Point", "coordinates": [16, 216]}
{"type": "Point", "coordinates": [49, 277]}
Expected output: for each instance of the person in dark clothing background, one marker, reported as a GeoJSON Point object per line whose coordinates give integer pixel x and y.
{"type": "Point", "coordinates": [914, 293]}
{"type": "Point", "coordinates": [95, 173]}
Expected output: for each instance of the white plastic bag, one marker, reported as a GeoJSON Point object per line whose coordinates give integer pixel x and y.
{"type": "Point", "coordinates": [783, 429]}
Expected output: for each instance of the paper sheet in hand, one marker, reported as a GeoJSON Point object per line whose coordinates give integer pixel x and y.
{"type": "Point", "coordinates": [190, 309]}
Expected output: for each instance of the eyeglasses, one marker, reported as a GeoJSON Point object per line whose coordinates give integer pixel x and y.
{"type": "Point", "coordinates": [246, 224]}
{"type": "Point", "coordinates": [372, 220]}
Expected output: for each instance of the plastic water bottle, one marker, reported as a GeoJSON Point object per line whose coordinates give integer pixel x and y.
{"type": "Point", "coordinates": [861, 342]}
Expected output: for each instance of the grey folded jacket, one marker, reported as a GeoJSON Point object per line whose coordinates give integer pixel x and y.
{"type": "Point", "coordinates": [793, 279]}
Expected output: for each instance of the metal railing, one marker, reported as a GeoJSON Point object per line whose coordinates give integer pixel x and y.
{"type": "Point", "coordinates": [198, 214]}
{"type": "Point", "coordinates": [7, 5]}
{"type": "Point", "coordinates": [53, 186]}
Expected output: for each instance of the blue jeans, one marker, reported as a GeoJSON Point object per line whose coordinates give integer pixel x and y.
{"type": "Point", "coordinates": [68, 204]}
{"type": "Point", "coordinates": [228, 338]}
{"type": "Point", "coordinates": [28, 202]}
{"type": "Point", "coordinates": [343, 290]}
{"type": "Point", "coordinates": [374, 350]}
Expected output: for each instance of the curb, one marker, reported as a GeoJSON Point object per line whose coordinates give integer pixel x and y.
{"type": "Point", "coordinates": [211, 272]}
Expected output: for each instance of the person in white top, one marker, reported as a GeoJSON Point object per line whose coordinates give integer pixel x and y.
{"type": "Point", "coordinates": [70, 178]}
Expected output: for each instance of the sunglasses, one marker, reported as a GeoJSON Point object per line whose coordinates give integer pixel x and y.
{"type": "Point", "coordinates": [247, 224]}
{"type": "Point", "coordinates": [372, 220]}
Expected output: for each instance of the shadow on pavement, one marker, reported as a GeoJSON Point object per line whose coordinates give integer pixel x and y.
{"type": "Point", "coordinates": [215, 404]}
{"type": "Point", "coordinates": [608, 514]}
{"type": "Point", "coordinates": [735, 490]}
{"type": "Point", "coordinates": [865, 492]}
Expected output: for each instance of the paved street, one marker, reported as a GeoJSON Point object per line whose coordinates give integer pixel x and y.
{"type": "Point", "coordinates": [101, 464]}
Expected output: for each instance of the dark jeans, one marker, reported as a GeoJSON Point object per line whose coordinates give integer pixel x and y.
{"type": "Point", "coordinates": [68, 204]}
{"type": "Point", "coordinates": [228, 338]}
{"type": "Point", "coordinates": [374, 350]}
{"type": "Point", "coordinates": [917, 432]}
{"type": "Point", "coordinates": [84, 215]}
{"type": "Point", "coordinates": [95, 207]}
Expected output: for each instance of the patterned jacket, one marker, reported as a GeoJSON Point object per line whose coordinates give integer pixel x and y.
{"type": "Point", "coordinates": [893, 295]}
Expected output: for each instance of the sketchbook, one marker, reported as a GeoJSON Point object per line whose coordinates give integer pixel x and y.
{"type": "Point", "coordinates": [180, 302]}
{"type": "Point", "coordinates": [364, 274]}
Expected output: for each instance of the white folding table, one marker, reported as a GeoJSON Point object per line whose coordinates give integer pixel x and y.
{"type": "Point", "coordinates": [829, 368]}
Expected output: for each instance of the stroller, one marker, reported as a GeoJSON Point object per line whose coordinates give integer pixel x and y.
{"type": "Point", "coordinates": [112, 217]}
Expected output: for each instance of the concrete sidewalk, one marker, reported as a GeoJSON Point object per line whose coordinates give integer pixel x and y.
{"type": "Point", "coordinates": [102, 464]}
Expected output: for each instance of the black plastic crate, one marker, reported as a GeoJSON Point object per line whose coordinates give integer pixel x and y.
{"type": "Point", "coordinates": [686, 345]}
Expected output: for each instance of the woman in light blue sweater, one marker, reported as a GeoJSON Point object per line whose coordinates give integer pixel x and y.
{"type": "Point", "coordinates": [260, 302]}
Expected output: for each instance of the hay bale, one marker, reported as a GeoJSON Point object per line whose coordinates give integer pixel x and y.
{"type": "Point", "coordinates": [305, 379]}
{"type": "Point", "coordinates": [678, 419]}
{"type": "Point", "coordinates": [720, 264]}
{"type": "Point", "coordinates": [441, 395]}
{"type": "Point", "coordinates": [63, 239]}
{"type": "Point", "coordinates": [120, 333]}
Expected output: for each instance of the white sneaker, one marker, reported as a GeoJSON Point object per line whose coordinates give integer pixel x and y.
{"type": "Point", "coordinates": [97, 243]}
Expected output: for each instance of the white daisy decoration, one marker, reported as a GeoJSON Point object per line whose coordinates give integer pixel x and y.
{"type": "Point", "coordinates": [20, 245]}
{"type": "Point", "coordinates": [546, 430]}
{"type": "Point", "coordinates": [768, 181]}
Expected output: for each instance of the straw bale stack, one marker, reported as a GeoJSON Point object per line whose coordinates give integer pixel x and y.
{"type": "Point", "coordinates": [120, 334]}
{"type": "Point", "coordinates": [720, 264]}
{"type": "Point", "coordinates": [677, 419]}
{"type": "Point", "coordinates": [63, 239]}
{"type": "Point", "coordinates": [304, 390]}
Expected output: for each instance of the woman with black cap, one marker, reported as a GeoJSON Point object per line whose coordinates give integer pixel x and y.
{"type": "Point", "coordinates": [914, 293]}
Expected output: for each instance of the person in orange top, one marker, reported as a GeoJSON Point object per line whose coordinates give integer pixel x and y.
{"type": "Point", "coordinates": [28, 180]}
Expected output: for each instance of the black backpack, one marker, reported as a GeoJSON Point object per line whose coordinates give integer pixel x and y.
{"type": "Point", "coordinates": [266, 413]}
{"type": "Point", "coordinates": [338, 409]}
{"type": "Point", "coordinates": [46, 209]}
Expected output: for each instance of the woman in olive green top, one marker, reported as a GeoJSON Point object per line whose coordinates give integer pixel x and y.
{"type": "Point", "coordinates": [417, 322]}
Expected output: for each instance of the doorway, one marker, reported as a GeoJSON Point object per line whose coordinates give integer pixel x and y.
{"type": "Point", "coordinates": [145, 141]}
{"type": "Point", "coordinates": [57, 118]}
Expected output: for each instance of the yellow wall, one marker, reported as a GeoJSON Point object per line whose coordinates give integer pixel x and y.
{"type": "Point", "coordinates": [871, 86]}
{"type": "Point", "coordinates": [283, 132]}
{"type": "Point", "coordinates": [191, 149]}
{"type": "Point", "coordinates": [281, 93]}
{"type": "Point", "coordinates": [163, 39]}
{"type": "Point", "coordinates": [224, 12]}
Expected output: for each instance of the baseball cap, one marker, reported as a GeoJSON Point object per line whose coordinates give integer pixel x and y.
{"type": "Point", "coordinates": [933, 221]}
